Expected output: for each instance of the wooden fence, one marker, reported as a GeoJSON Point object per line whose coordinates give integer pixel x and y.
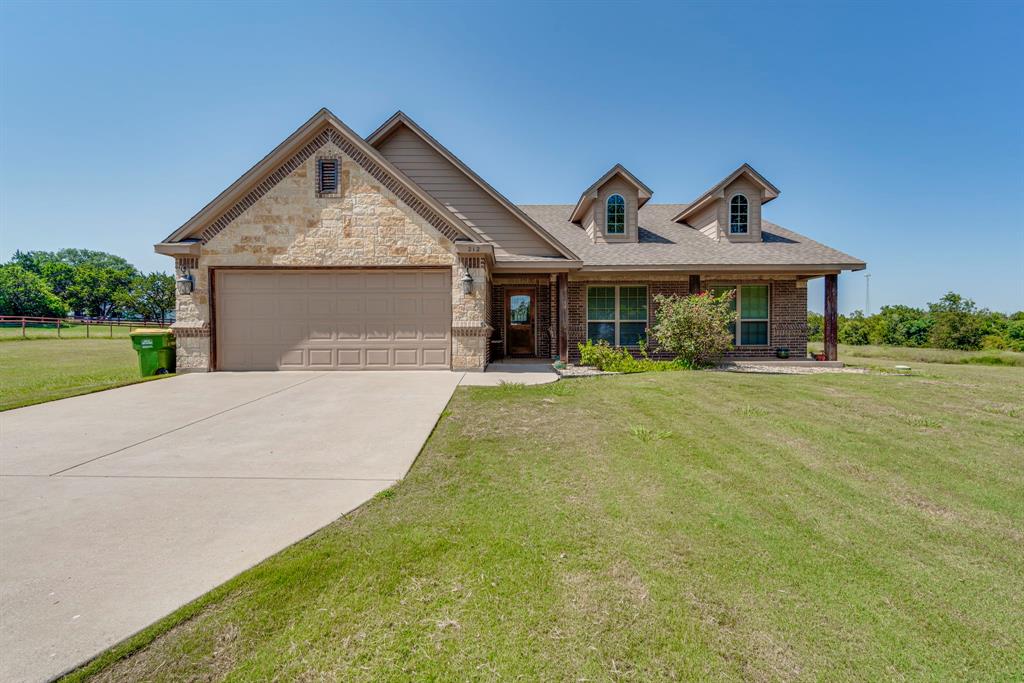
{"type": "Point", "coordinates": [27, 321]}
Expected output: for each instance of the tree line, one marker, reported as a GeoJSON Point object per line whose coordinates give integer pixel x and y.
{"type": "Point", "coordinates": [954, 322]}
{"type": "Point", "coordinates": [82, 282]}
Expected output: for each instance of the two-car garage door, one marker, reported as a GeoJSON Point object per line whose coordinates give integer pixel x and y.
{"type": "Point", "coordinates": [333, 319]}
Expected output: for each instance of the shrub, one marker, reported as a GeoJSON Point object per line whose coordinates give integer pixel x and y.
{"type": "Point", "coordinates": [694, 328]}
{"type": "Point", "coordinates": [607, 358]}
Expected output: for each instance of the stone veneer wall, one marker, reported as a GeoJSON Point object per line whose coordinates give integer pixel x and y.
{"type": "Point", "coordinates": [788, 323]}
{"type": "Point", "coordinates": [365, 225]}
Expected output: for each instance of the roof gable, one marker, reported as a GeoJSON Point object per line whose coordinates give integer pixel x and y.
{"type": "Point", "coordinates": [590, 194]}
{"type": "Point", "coordinates": [399, 121]}
{"type": "Point", "coordinates": [769, 190]}
{"type": "Point", "coordinates": [322, 128]}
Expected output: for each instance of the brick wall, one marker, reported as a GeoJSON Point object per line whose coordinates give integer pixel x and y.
{"type": "Point", "coordinates": [787, 326]}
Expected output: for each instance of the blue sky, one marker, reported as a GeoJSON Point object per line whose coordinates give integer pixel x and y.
{"type": "Point", "coordinates": [893, 131]}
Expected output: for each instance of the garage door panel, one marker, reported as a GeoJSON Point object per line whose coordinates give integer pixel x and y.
{"type": "Point", "coordinates": [333, 320]}
{"type": "Point", "coordinates": [321, 330]}
{"type": "Point", "coordinates": [434, 307]}
{"type": "Point", "coordinates": [407, 305]}
{"type": "Point", "coordinates": [378, 305]}
{"type": "Point", "coordinates": [379, 358]}
{"type": "Point", "coordinates": [435, 358]}
{"type": "Point", "coordinates": [407, 357]}
{"type": "Point", "coordinates": [321, 358]}
{"type": "Point", "coordinates": [437, 281]}
{"type": "Point", "coordinates": [350, 358]}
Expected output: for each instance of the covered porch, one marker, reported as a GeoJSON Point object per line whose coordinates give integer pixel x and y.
{"type": "Point", "coordinates": [543, 316]}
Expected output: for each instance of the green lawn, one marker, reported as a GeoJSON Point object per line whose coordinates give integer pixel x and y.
{"type": "Point", "coordinates": [663, 526]}
{"type": "Point", "coordinates": [900, 354]}
{"type": "Point", "coordinates": [39, 370]}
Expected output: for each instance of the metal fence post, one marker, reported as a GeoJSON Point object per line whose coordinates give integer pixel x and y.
{"type": "Point", "coordinates": [58, 328]}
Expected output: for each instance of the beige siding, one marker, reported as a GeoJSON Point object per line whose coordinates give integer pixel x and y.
{"type": "Point", "coordinates": [752, 192]}
{"type": "Point", "coordinates": [442, 179]}
{"type": "Point", "coordinates": [616, 185]}
{"type": "Point", "coordinates": [707, 220]}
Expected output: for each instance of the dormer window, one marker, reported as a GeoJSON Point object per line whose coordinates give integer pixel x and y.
{"type": "Point", "coordinates": [616, 215]}
{"type": "Point", "coordinates": [738, 215]}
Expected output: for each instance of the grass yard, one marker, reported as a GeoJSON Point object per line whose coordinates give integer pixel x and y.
{"type": "Point", "coordinates": [39, 370]}
{"type": "Point", "coordinates": [663, 526]}
{"type": "Point", "coordinates": [863, 355]}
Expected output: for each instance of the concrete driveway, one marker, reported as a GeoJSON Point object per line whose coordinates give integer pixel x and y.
{"type": "Point", "coordinates": [118, 507]}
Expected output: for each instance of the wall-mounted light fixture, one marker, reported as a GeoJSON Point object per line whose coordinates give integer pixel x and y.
{"type": "Point", "coordinates": [184, 282]}
{"type": "Point", "coordinates": [467, 281]}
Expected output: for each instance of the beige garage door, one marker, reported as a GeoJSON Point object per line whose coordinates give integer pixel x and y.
{"type": "Point", "coordinates": [333, 319]}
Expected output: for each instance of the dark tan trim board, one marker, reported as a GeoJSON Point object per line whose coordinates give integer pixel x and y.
{"type": "Point", "coordinates": [590, 194]}
{"type": "Point", "coordinates": [770, 191]}
{"type": "Point", "coordinates": [322, 128]}
{"type": "Point", "coordinates": [212, 279]}
{"type": "Point", "coordinates": [400, 118]}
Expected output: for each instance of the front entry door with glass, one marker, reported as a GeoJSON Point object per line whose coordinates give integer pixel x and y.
{"type": "Point", "coordinates": [519, 325]}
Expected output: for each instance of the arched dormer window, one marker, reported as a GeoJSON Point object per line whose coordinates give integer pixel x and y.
{"type": "Point", "coordinates": [615, 216]}
{"type": "Point", "coordinates": [738, 215]}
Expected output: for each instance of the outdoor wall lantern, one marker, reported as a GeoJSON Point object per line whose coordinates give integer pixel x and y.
{"type": "Point", "coordinates": [467, 281]}
{"type": "Point", "coordinates": [184, 282]}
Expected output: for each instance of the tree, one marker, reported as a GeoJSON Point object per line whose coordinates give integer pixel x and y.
{"type": "Point", "coordinates": [150, 297]}
{"type": "Point", "coordinates": [694, 328]}
{"type": "Point", "coordinates": [86, 280]}
{"type": "Point", "coordinates": [854, 330]}
{"type": "Point", "coordinates": [95, 290]}
{"type": "Point", "coordinates": [956, 323]}
{"type": "Point", "coordinates": [899, 326]}
{"type": "Point", "coordinates": [815, 326]}
{"type": "Point", "coordinates": [23, 292]}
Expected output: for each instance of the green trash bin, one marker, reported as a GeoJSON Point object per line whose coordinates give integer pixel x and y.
{"type": "Point", "coordinates": [155, 349]}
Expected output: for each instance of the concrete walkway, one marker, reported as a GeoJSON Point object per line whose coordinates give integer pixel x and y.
{"type": "Point", "coordinates": [118, 507]}
{"type": "Point", "coordinates": [512, 372]}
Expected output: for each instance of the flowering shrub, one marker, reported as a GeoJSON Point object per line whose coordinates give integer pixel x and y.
{"type": "Point", "coordinates": [694, 328]}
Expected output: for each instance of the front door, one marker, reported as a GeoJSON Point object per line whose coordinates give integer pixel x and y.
{"type": "Point", "coordinates": [519, 316]}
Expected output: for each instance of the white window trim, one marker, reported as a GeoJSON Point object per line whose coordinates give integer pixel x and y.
{"type": "Point", "coordinates": [746, 226]}
{"type": "Point", "coordinates": [617, 321]}
{"type": "Point", "coordinates": [738, 287]}
{"type": "Point", "coordinates": [607, 203]}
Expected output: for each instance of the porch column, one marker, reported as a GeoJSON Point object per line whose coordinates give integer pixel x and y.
{"type": "Point", "coordinates": [694, 284]}
{"type": "Point", "coordinates": [563, 317]}
{"type": "Point", "coordinates": [831, 317]}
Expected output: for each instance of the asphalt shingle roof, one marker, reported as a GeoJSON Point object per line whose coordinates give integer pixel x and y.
{"type": "Point", "coordinates": [664, 243]}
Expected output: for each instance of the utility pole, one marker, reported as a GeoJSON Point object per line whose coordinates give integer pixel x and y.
{"type": "Point", "coordinates": [867, 293]}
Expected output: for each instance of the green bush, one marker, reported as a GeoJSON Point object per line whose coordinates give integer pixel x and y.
{"type": "Point", "coordinates": [694, 328]}
{"type": "Point", "coordinates": [608, 358]}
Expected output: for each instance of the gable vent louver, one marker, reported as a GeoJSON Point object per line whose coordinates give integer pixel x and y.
{"type": "Point", "coordinates": [327, 176]}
